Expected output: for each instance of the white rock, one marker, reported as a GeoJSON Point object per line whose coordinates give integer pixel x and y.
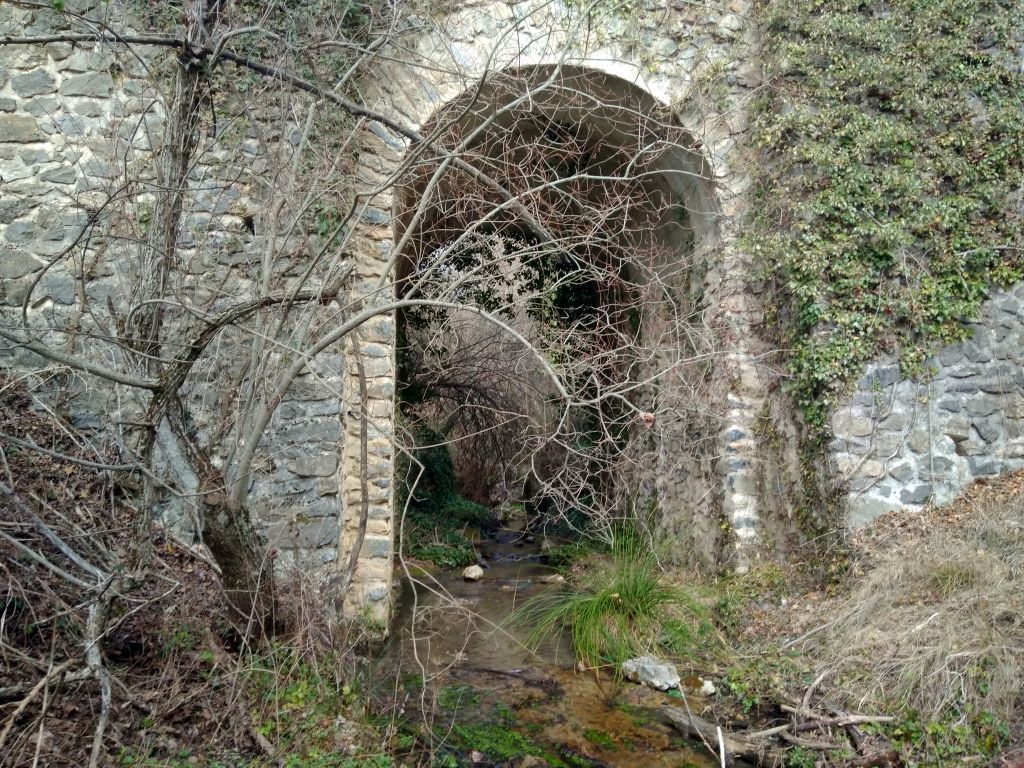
{"type": "Point", "coordinates": [708, 688]}
{"type": "Point", "coordinates": [473, 573]}
{"type": "Point", "coordinates": [652, 672]}
{"type": "Point", "coordinates": [551, 578]}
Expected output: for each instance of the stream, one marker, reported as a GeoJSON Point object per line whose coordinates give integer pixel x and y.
{"type": "Point", "coordinates": [493, 702]}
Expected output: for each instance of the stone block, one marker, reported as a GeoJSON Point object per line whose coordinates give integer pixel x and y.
{"type": "Point", "coordinates": [303, 535]}
{"type": "Point", "coordinates": [94, 84]}
{"type": "Point", "coordinates": [64, 175]}
{"type": "Point", "coordinates": [20, 232]}
{"type": "Point", "coordinates": [313, 466]}
{"type": "Point", "coordinates": [376, 593]}
{"type": "Point", "coordinates": [916, 494]}
{"type": "Point", "coordinates": [14, 208]}
{"type": "Point", "coordinates": [902, 471]}
{"type": "Point", "coordinates": [983, 466]}
{"type": "Point", "coordinates": [34, 83]}
{"type": "Point", "coordinates": [879, 377]}
{"type": "Point", "coordinates": [888, 443]}
{"type": "Point", "coordinates": [957, 428]}
{"type": "Point", "coordinates": [968, 385]}
{"type": "Point", "coordinates": [998, 385]}
{"type": "Point", "coordinates": [20, 129]}
{"type": "Point", "coordinates": [977, 350]}
{"type": "Point", "coordinates": [376, 548]}
{"type": "Point", "coordinates": [962, 370]}
{"type": "Point", "coordinates": [846, 424]}
{"type": "Point", "coordinates": [15, 263]}
{"type": "Point", "coordinates": [983, 405]}
{"type": "Point", "coordinates": [919, 440]}
{"type": "Point", "coordinates": [989, 430]}
{"type": "Point", "coordinates": [59, 51]}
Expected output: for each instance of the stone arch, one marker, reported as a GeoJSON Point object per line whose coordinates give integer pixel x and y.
{"type": "Point", "coordinates": [617, 111]}
{"type": "Point", "coordinates": [570, 116]}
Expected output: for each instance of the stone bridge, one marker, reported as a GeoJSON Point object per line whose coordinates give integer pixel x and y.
{"type": "Point", "coordinates": [326, 497]}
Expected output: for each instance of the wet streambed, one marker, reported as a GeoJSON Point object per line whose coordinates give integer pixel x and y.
{"type": "Point", "coordinates": [493, 702]}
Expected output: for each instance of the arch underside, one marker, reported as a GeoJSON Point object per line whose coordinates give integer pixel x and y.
{"type": "Point", "coordinates": [590, 172]}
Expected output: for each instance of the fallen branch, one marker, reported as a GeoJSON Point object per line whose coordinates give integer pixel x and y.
{"type": "Point", "coordinates": [735, 746]}
{"type": "Point", "coordinates": [758, 746]}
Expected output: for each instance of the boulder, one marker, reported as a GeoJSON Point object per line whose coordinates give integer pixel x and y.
{"type": "Point", "coordinates": [652, 672]}
{"type": "Point", "coordinates": [473, 573]}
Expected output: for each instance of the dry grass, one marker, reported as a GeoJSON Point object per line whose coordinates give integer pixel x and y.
{"type": "Point", "coordinates": [937, 622]}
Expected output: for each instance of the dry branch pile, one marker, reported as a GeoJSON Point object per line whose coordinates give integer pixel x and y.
{"type": "Point", "coordinates": [86, 650]}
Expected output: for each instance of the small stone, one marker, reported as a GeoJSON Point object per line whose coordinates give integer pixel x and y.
{"type": "Point", "coordinates": [665, 47]}
{"type": "Point", "coordinates": [650, 671]}
{"type": "Point", "coordinates": [707, 688]}
{"type": "Point", "coordinates": [473, 573]}
{"type": "Point", "coordinates": [552, 578]}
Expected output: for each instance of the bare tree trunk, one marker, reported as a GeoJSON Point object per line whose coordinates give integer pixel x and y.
{"type": "Point", "coordinates": [226, 527]}
{"type": "Point", "coordinates": [247, 570]}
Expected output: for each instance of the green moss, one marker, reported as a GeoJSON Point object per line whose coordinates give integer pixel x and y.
{"type": "Point", "coordinates": [601, 739]}
{"type": "Point", "coordinates": [893, 151]}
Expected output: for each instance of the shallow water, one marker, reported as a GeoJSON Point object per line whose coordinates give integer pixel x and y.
{"type": "Point", "coordinates": [453, 638]}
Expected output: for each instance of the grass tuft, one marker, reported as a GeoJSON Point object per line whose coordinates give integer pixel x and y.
{"type": "Point", "coordinates": [628, 609]}
{"type": "Point", "coordinates": [937, 627]}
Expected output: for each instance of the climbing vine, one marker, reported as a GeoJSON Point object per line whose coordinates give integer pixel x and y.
{"type": "Point", "coordinates": [891, 198]}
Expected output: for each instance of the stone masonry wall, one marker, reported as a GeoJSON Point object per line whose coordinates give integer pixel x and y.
{"type": "Point", "coordinates": [902, 443]}
{"type": "Point", "coordinates": [78, 123]}
{"type": "Point", "coordinates": [78, 126]}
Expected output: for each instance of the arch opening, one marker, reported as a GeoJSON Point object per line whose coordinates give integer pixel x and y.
{"type": "Point", "coordinates": [580, 236]}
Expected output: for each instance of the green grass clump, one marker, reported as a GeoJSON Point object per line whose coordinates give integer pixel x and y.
{"type": "Point", "coordinates": [628, 609]}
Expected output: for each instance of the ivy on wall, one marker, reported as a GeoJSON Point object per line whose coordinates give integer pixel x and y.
{"type": "Point", "coordinates": [891, 200]}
